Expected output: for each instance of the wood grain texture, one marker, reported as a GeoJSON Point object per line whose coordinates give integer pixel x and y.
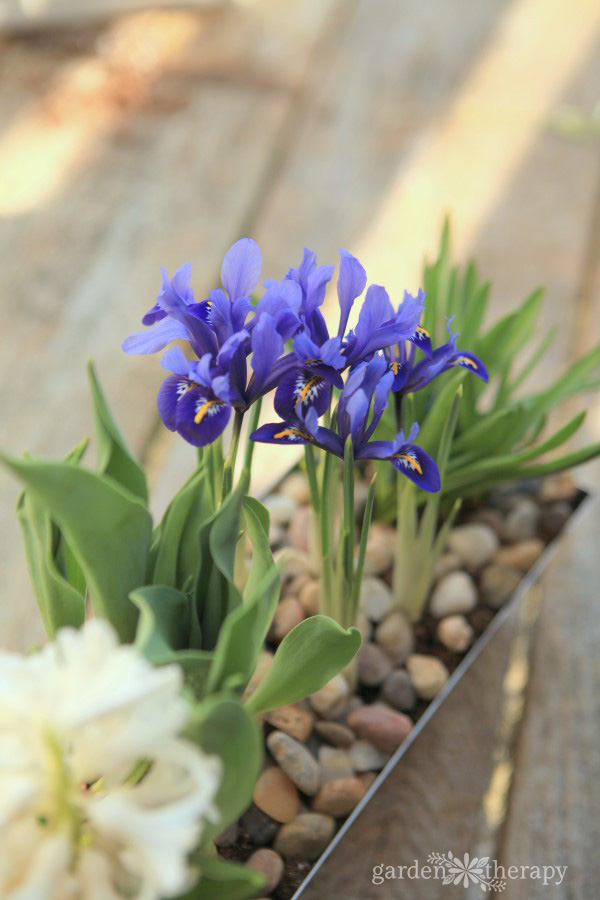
{"type": "Point", "coordinates": [553, 816]}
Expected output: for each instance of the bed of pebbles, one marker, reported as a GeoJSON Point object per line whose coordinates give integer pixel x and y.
{"type": "Point", "coordinates": [321, 755]}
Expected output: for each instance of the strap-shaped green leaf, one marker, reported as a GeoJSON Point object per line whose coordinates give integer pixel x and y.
{"type": "Point", "coordinates": [307, 658]}
{"type": "Point", "coordinates": [114, 457]}
{"type": "Point", "coordinates": [163, 624]}
{"type": "Point", "coordinates": [177, 551]}
{"type": "Point", "coordinates": [59, 602]}
{"type": "Point", "coordinates": [221, 725]}
{"type": "Point", "coordinates": [107, 528]}
{"type": "Point", "coordinates": [222, 880]}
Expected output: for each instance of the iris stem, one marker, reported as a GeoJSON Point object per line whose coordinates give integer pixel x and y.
{"type": "Point", "coordinates": [311, 474]}
{"type": "Point", "coordinates": [252, 426]}
{"type": "Point", "coordinates": [229, 467]}
{"type": "Point", "coordinates": [362, 550]}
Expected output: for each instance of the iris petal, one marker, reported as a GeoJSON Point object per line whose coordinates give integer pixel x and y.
{"type": "Point", "coordinates": [242, 265]}
{"type": "Point", "coordinates": [418, 466]}
{"type": "Point", "coordinates": [200, 417]}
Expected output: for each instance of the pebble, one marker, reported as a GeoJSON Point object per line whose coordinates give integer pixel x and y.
{"type": "Point", "coordinates": [475, 544]}
{"type": "Point", "coordinates": [448, 562]}
{"type": "Point", "coordinates": [260, 828]}
{"type": "Point", "coordinates": [383, 727]}
{"type": "Point", "coordinates": [338, 798]}
{"type": "Point", "coordinates": [455, 593]}
{"type": "Point", "coordinates": [295, 486]}
{"type": "Point", "coordinates": [558, 487]}
{"type": "Point", "coordinates": [309, 597]}
{"type": "Point", "coordinates": [276, 536]}
{"type": "Point", "coordinates": [398, 691]}
{"type": "Point", "coordinates": [335, 733]}
{"type": "Point", "coordinates": [491, 517]}
{"type": "Point", "coordinates": [366, 757]}
{"type": "Point", "coordinates": [276, 795]}
{"type": "Point", "coordinates": [375, 598]}
{"type": "Point", "coordinates": [335, 763]}
{"type": "Point", "coordinates": [281, 508]}
{"type": "Point", "coordinates": [296, 584]}
{"type": "Point", "coordinates": [270, 864]}
{"type": "Point", "coordinates": [292, 562]}
{"type": "Point", "coordinates": [228, 837]}
{"type": "Point", "coordinates": [373, 664]}
{"type": "Point", "coordinates": [380, 549]}
{"type": "Point", "coordinates": [299, 528]}
{"type": "Point", "coordinates": [497, 584]}
{"type": "Point", "coordinates": [306, 837]}
{"type": "Point", "coordinates": [288, 614]}
{"type": "Point", "coordinates": [264, 661]}
{"type": "Point", "coordinates": [520, 556]}
{"type": "Point", "coordinates": [332, 698]}
{"type": "Point", "coordinates": [367, 779]}
{"type": "Point", "coordinates": [428, 675]}
{"type": "Point", "coordinates": [296, 722]}
{"type": "Point", "coordinates": [364, 626]}
{"type": "Point", "coordinates": [553, 517]}
{"type": "Point", "coordinates": [521, 522]}
{"type": "Point", "coordinates": [395, 634]}
{"type": "Point", "coordinates": [455, 633]}
{"type": "Point", "coordinates": [296, 761]}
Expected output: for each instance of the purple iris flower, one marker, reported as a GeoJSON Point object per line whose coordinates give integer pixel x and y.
{"type": "Point", "coordinates": [196, 400]}
{"type": "Point", "coordinates": [361, 405]}
{"type": "Point", "coordinates": [308, 383]}
{"type": "Point", "coordinates": [409, 377]}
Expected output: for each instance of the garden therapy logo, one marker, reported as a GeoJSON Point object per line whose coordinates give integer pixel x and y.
{"type": "Point", "coordinates": [487, 874]}
{"type": "Point", "coordinates": [466, 871]}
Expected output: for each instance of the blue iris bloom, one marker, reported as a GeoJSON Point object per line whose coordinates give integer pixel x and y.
{"type": "Point", "coordinates": [362, 402]}
{"type": "Point", "coordinates": [409, 377]}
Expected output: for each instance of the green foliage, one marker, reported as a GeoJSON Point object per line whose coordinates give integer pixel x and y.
{"type": "Point", "coordinates": [224, 880]}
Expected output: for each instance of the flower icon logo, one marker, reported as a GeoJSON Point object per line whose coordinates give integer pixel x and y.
{"type": "Point", "coordinates": [466, 871]}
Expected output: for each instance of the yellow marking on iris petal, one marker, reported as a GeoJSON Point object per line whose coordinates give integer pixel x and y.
{"type": "Point", "coordinates": [307, 387]}
{"type": "Point", "coordinates": [411, 461]}
{"type": "Point", "coordinates": [311, 359]}
{"type": "Point", "coordinates": [204, 409]}
{"type": "Point", "coordinates": [395, 367]}
{"type": "Point", "coordinates": [422, 331]}
{"type": "Point", "coordinates": [290, 432]}
{"type": "Point", "coordinates": [467, 362]}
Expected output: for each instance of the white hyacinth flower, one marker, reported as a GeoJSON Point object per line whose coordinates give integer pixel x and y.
{"type": "Point", "coordinates": [99, 797]}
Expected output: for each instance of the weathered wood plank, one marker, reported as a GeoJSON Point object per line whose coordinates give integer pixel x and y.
{"type": "Point", "coordinates": [553, 817]}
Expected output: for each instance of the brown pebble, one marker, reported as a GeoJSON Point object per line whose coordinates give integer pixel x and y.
{"type": "Point", "coordinates": [373, 664]}
{"type": "Point", "coordinates": [558, 487]}
{"type": "Point", "coordinates": [293, 720]}
{"type": "Point", "coordinates": [288, 614]}
{"type": "Point", "coordinates": [383, 727]}
{"type": "Point", "coordinates": [299, 528]}
{"type": "Point", "coordinates": [306, 837]}
{"type": "Point", "coordinates": [268, 863]}
{"type": "Point", "coordinates": [276, 795]}
{"type": "Point", "coordinates": [308, 598]}
{"type": "Point", "coordinates": [498, 583]}
{"type": "Point", "coordinates": [520, 556]}
{"type": "Point", "coordinates": [335, 733]}
{"type": "Point", "coordinates": [338, 798]}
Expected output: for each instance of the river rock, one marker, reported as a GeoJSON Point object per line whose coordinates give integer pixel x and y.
{"type": "Point", "coordinates": [448, 562]}
{"type": "Point", "coordinates": [296, 761]}
{"type": "Point", "coordinates": [331, 700]}
{"type": "Point", "coordinates": [398, 691]}
{"type": "Point", "coordinates": [493, 518]}
{"type": "Point", "coordinates": [335, 763]}
{"type": "Point", "coordinates": [338, 798]}
{"type": "Point", "coordinates": [276, 536]}
{"type": "Point", "coordinates": [396, 636]}
{"type": "Point", "coordinates": [553, 517]}
{"type": "Point", "coordinates": [306, 837]}
{"type": "Point", "coordinates": [295, 486]}
{"type": "Point", "coordinates": [276, 795]}
{"type": "Point", "coordinates": [288, 614]}
{"type": "Point", "coordinates": [497, 584]}
{"type": "Point", "coordinates": [335, 733]}
{"type": "Point", "coordinates": [366, 757]}
{"type": "Point", "coordinates": [520, 556]}
{"type": "Point", "coordinates": [380, 549]}
{"type": "Point", "coordinates": [521, 522]}
{"type": "Point", "coordinates": [558, 487]}
{"type": "Point", "coordinates": [270, 864]}
{"type": "Point", "coordinates": [299, 528]}
{"type": "Point", "coordinates": [455, 633]}
{"type": "Point", "coordinates": [294, 720]}
{"type": "Point", "coordinates": [428, 674]}
{"type": "Point", "coordinates": [228, 836]}
{"type": "Point", "coordinates": [309, 597]}
{"type": "Point", "coordinates": [281, 508]}
{"type": "Point", "coordinates": [262, 666]}
{"type": "Point", "coordinates": [383, 727]}
{"type": "Point", "coordinates": [292, 562]}
{"type": "Point", "coordinates": [260, 828]}
{"type": "Point", "coordinates": [455, 593]}
{"type": "Point", "coordinates": [375, 598]}
{"type": "Point", "coordinates": [373, 664]}
{"type": "Point", "coordinates": [475, 544]}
